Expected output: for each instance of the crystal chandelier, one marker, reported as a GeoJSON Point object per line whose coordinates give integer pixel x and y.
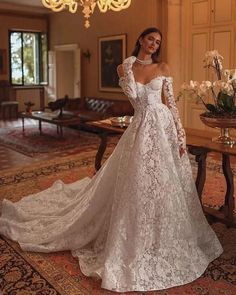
{"type": "Point", "coordinates": [87, 6]}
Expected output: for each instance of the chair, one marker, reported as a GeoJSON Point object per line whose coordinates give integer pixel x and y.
{"type": "Point", "coordinates": [8, 103]}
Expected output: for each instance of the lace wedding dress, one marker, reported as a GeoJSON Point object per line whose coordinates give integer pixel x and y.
{"type": "Point", "coordinates": [138, 223]}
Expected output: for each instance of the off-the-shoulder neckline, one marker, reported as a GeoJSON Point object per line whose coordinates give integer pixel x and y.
{"type": "Point", "coordinates": [157, 77]}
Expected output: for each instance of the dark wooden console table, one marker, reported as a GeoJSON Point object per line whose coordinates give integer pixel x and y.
{"type": "Point", "coordinates": [49, 118]}
{"type": "Point", "coordinates": [199, 144]}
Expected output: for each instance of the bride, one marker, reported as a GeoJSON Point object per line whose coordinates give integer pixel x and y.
{"type": "Point", "coordinates": [138, 223]}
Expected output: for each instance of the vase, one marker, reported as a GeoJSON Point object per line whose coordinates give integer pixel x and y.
{"type": "Point", "coordinates": [28, 109]}
{"type": "Point", "coordinates": [224, 124]}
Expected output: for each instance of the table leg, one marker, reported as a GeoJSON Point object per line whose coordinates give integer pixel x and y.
{"type": "Point", "coordinates": [101, 150]}
{"type": "Point", "coordinates": [229, 196]}
{"type": "Point", "coordinates": [40, 127]}
{"type": "Point", "coordinates": [200, 157]}
{"type": "Point", "coordinates": [23, 124]}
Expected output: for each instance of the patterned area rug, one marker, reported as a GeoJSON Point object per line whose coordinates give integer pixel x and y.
{"type": "Point", "coordinates": [215, 187]}
{"type": "Point", "coordinates": [25, 273]}
{"type": "Point", "coordinates": [31, 143]}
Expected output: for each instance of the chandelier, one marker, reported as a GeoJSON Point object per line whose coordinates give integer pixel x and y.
{"type": "Point", "coordinates": [87, 6]}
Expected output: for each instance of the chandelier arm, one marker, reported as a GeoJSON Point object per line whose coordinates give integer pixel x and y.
{"type": "Point", "coordinates": [115, 5]}
{"type": "Point", "coordinates": [73, 7]}
{"type": "Point", "coordinates": [55, 5]}
{"type": "Point", "coordinates": [52, 3]}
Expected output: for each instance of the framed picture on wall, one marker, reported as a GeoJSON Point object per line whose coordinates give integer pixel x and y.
{"type": "Point", "coordinates": [3, 61]}
{"type": "Point", "coordinates": [112, 51]}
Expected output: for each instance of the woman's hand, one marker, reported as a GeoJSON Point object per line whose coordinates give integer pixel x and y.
{"type": "Point", "coordinates": [182, 151]}
{"type": "Point", "coordinates": [128, 63]}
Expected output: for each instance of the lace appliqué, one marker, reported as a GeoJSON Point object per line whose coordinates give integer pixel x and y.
{"type": "Point", "coordinates": [127, 82]}
{"type": "Point", "coordinates": [168, 93]}
{"type": "Point", "coordinates": [129, 87]}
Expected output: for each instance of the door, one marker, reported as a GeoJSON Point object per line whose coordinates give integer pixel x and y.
{"type": "Point", "coordinates": [64, 72]}
{"type": "Point", "coordinates": [211, 25]}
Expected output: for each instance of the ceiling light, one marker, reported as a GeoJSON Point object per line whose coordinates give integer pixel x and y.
{"type": "Point", "coordinates": [87, 6]}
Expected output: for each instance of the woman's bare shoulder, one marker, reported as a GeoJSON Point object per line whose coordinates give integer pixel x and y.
{"type": "Point", "coordinates": [120, 70]}
{"type": "Point", "coordinates": [164, 69]}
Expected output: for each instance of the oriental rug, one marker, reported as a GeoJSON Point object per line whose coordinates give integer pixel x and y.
{"type": "Point", "coordinates": [32, 144]}
{"type": "Point", "coordinates": [25, 273]}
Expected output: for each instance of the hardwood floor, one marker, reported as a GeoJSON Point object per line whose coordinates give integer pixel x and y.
{"type": "Point", "coordinates": [16, 123]}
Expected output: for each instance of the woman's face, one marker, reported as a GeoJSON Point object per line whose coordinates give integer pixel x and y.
{"type": "Point", "coordinates": [150, 43]}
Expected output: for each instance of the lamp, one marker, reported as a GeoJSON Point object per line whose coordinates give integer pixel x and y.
{"type": "Point", "coordinates": [87, 5]}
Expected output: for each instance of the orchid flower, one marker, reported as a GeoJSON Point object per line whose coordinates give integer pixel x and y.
{"type": "Point", "coordinates": [222, 91]}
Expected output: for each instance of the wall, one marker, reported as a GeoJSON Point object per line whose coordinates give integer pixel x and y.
{"type": "Point", "coordinates": [67, 28]}
{"type": "Point", "coordinates": [173, 15]}
{"type": "Point", "coordinates": [23, 21]}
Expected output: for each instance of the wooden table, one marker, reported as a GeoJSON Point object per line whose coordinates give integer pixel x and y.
{"type": "Point", "coordinates": [49, 118]}
{"type": "Point", "coordinates": [104, 129]}
{"type": "Point", "coordinates": [199, 144]}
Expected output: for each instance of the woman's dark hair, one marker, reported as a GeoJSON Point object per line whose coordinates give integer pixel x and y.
{"type": "Point", "coordinates": [156, 54]}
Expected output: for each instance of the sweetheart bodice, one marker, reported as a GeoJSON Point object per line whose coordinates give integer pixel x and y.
{"type": "Point", "coordinates": [153, 80]}
{"type": "Point", "coordinates": [150, 94]}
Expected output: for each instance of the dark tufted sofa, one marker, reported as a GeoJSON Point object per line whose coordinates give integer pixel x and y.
{"type": "Point", "coordinates": [98, 108]}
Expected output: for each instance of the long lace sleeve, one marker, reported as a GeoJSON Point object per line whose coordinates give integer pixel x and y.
{"type": "Point", "coordinates": [169, 96]}
{"type": "Point", "coordinates": [127, 82]}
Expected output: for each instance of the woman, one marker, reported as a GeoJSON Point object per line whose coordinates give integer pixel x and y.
{"type": "Point", "coordinates": [138, 223]}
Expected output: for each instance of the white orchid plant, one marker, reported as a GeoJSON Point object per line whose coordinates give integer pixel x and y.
{"type": "Point", "coordinates": [222, 91]}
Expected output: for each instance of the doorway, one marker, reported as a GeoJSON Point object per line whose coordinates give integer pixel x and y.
{"type": "Point", "coordinates": [64, 72]}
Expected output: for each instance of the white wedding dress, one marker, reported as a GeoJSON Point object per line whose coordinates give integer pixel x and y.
{"type": "Point", "coordinates": [138, 223]}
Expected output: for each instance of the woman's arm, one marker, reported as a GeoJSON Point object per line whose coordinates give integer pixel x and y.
{"type": "Point", "coordinates": [126, 81]}
{"type": "Point", "coordinates": [170, 101]}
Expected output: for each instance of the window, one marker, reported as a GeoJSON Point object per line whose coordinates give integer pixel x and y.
{"type": "Point", "coordinates": [28, 58]}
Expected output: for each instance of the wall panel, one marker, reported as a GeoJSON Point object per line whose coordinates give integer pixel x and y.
{"type": "Point", "coordinates": [222, 41]}
{"type": "Point", "coordinates": [223, 11]}
{"type": "Point", "coordinates": [200, 41]}
{"type": "Point", "coordinates": [200, 13]}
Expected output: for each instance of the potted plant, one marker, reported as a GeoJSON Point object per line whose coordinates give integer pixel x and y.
{"type": "Point", "coordinates": [218, 97]}
{"type": "Point", "coordinates": [28, 105]}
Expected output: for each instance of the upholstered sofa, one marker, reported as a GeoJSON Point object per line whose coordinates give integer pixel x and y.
{"type": "Point", "coordinates": [98, 108]}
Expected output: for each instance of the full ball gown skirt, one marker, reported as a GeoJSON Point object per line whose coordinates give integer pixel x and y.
{"type": "Point", "coordinates": [138, 223]}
